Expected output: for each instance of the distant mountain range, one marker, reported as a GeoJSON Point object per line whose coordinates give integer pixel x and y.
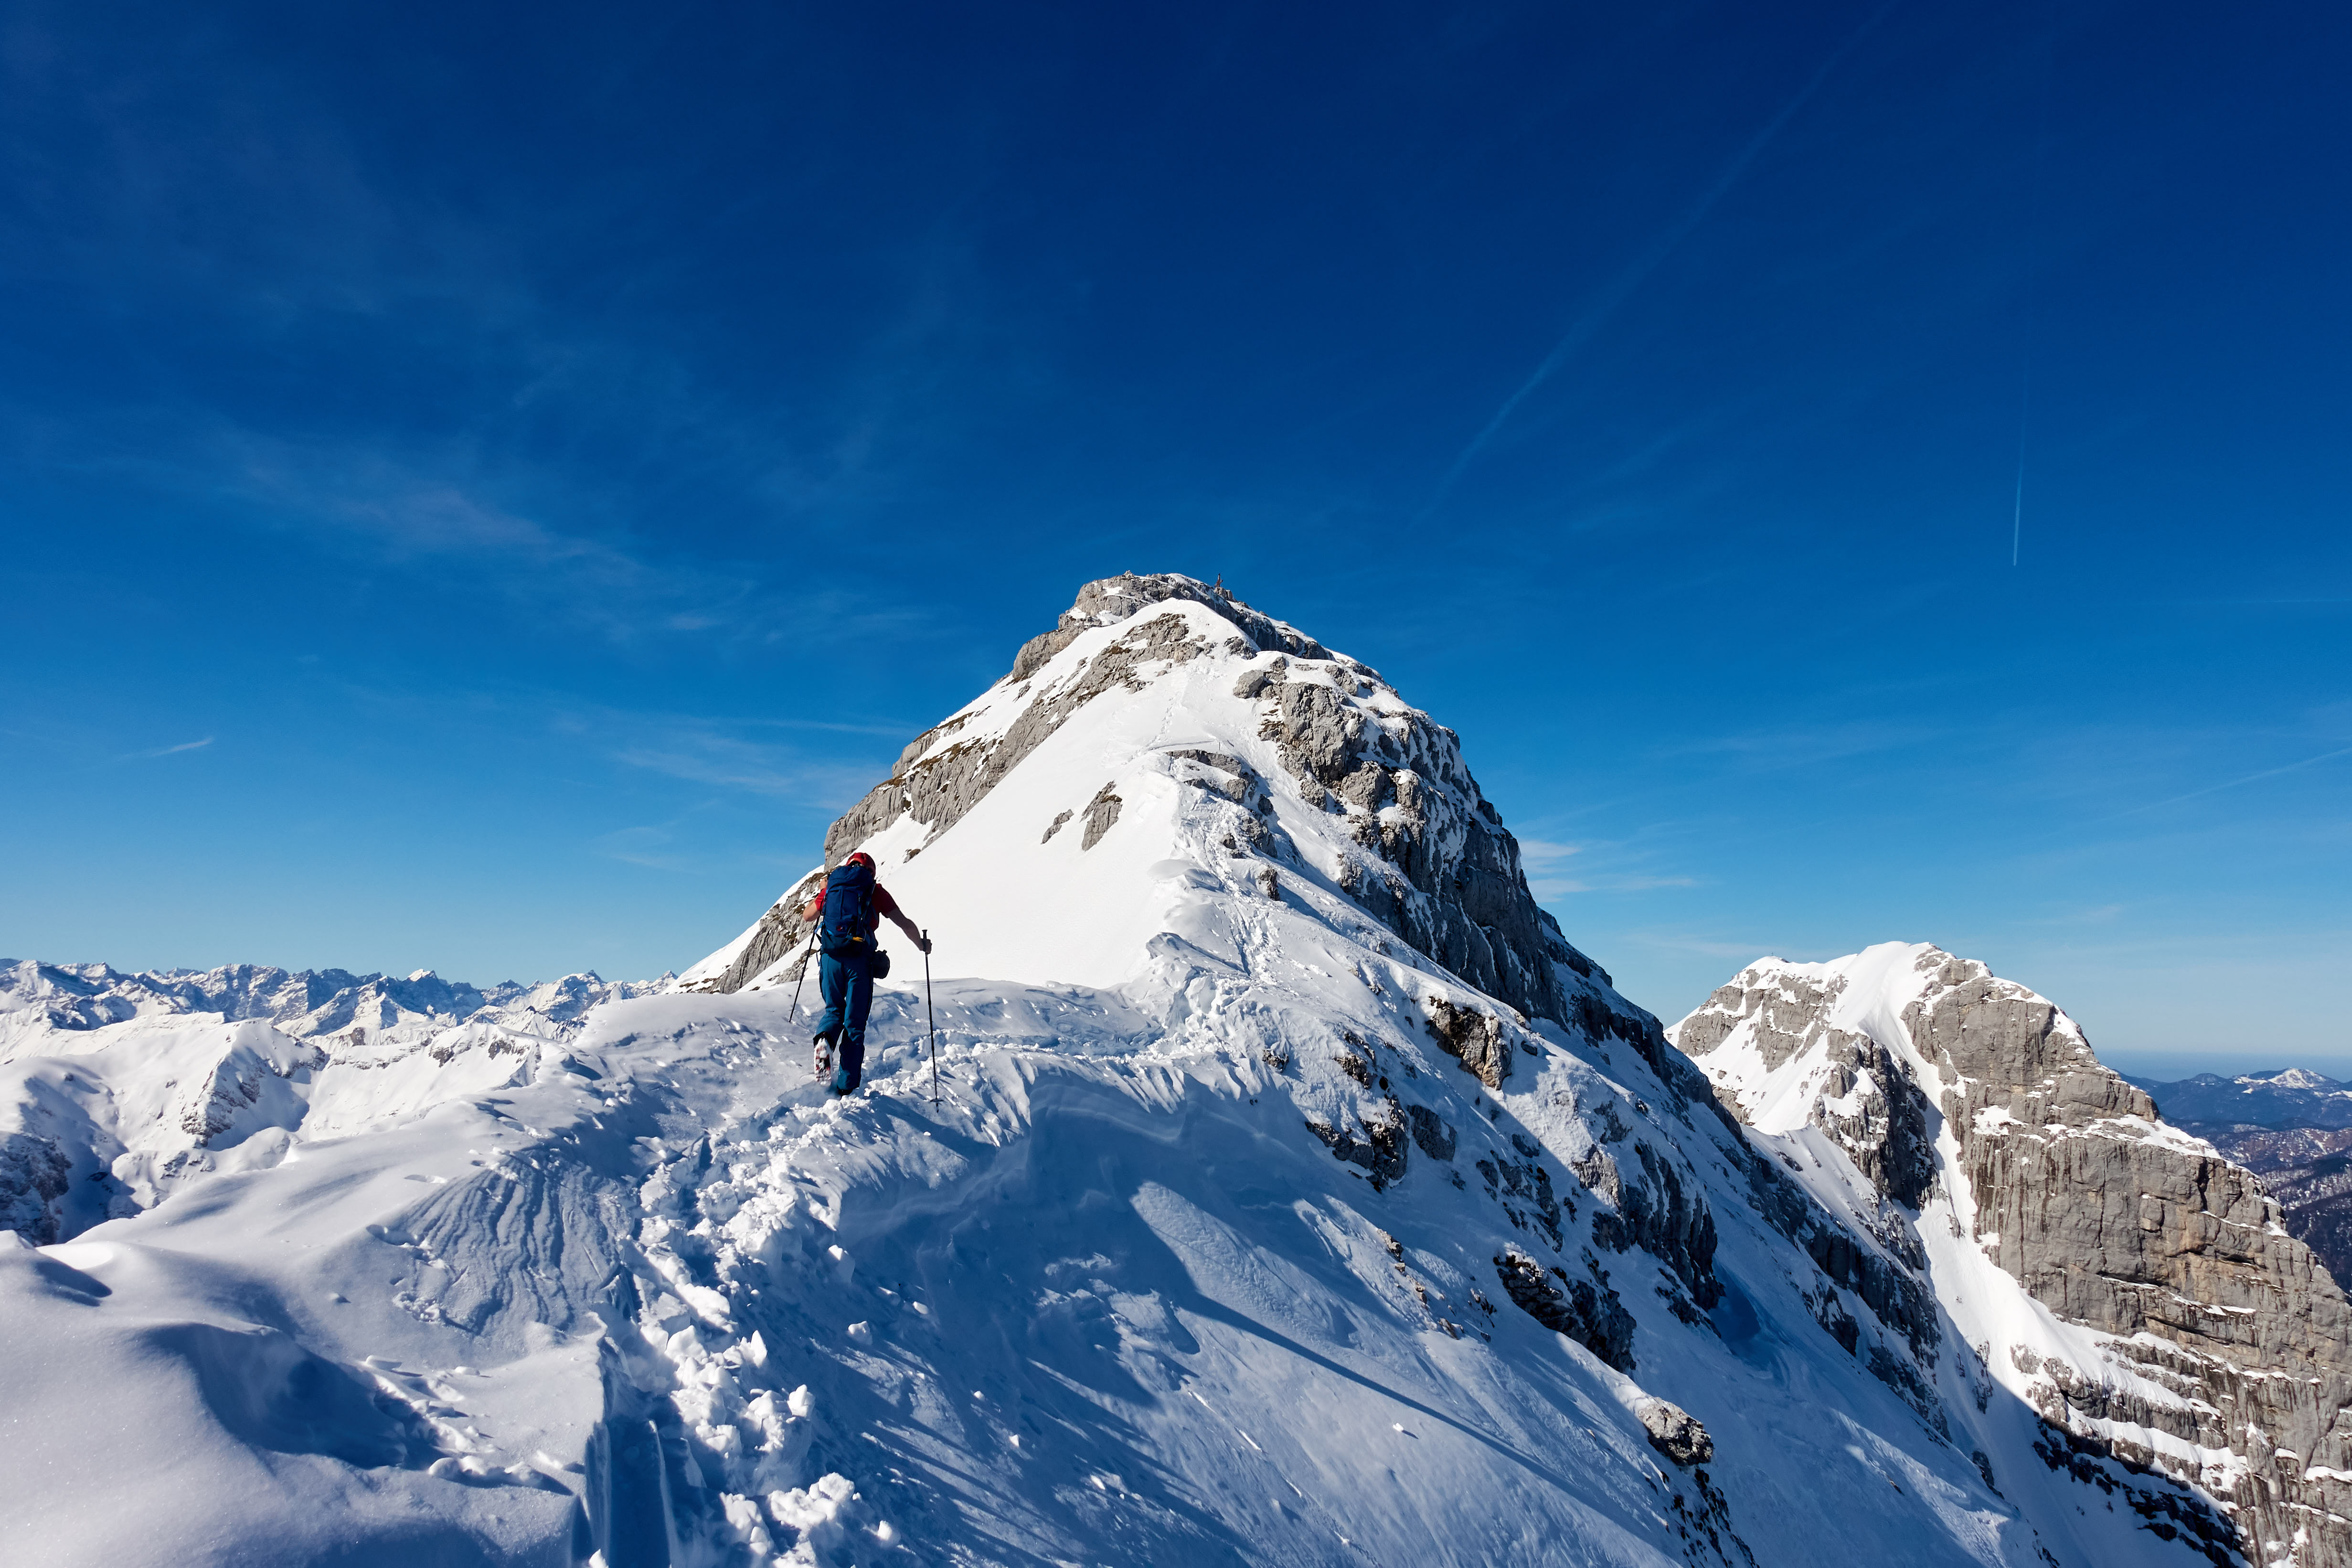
{"type": "Point", "coordinates": [2292, 1097]}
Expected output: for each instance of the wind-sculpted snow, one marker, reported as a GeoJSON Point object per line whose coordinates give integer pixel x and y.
{"type": "Point", "coordinates": [2134, 1290]}
{"type": "Point", "coordinates": [1233, 1215]}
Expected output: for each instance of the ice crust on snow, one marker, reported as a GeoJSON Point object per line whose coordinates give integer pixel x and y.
{"type": "Point", "coordinates": [1292, 1194]}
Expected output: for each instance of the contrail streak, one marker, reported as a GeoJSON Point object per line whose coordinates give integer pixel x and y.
{"type": "Point", "coordinates": [2233, 783]}
{"type": "Point", "coordinates": [1622, 287]}
{"type": "Point", "coordinates": [166, 750]}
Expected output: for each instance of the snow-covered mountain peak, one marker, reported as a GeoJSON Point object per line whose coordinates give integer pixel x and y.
{"type": "Point", "coordinates": [2293, 1078]}
{"type": "Point", "coordinates": [1779, 1033]}
{"type": "Point", "coordinates": [2114, 1272]}
{"type": "Point", "coordinates": [1168, 764]}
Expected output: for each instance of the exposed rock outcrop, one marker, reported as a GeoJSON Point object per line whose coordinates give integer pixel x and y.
{"type": "Point", "coordinates": [1378, 1144]}
{"type": "Point", "coordinates": [778, 935]}
{"type": "Point", "coordinates": [1674, 1433]}
{"type": "Point", "coordinates": [1102, 814]}
{"type": "Point", "coordinates": [2309, 1172]}
{"type": "Point", "coordinates": [1587, 1310]}
{"type": "Point", "coordinates": [1657, 1213]}
{"type": "Point", "coordinates": [1473, 1037]}
{"type": "Point", "coordinates": [2113, 1224]}
{"type": "Point", "coordinates": [34, 1174]}
{"type": "Point", "coordinates": [1432, 1134]}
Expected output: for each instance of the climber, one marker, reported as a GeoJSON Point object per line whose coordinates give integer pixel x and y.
{"type": "Point", "coordinates": [844, 913]}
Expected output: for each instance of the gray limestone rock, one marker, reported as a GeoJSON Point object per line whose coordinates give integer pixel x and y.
{"type": "Point", "coordinates": [1472, 1037]}
{"type": "Point", "coordinates": [1115, 599]}
{"type": "Point", "coordinates": [1657, 1213]}
{"type": "Point", "coordinates": [227, 1090]}
{"type": "Point", "coordinates": [1217, 760]}
{"type": "Point", "coordinates": [779, 934]}
{"type": "Point", "coordinates": [1674, 1431]}
{"type": "Point", "coordinates": [1523, 1187]}
{"type": "Point", "coordinates": [1380, 1146]}
{"type": "Point", "coordinates": [1586, 1310]}
{"type": "Point", "coordinates": [1432, 1134]}
{"type": "Point", "coordinates": [1101, 813]}
{"type": "Point", "coordinates": [1889, 1130]}
{"type": "Point", "coordinates": [2133, 1235]}
{"type": "Point", "coordinates": [1884, 1266]}
{"type": "Point", "coordinates": [34, 1175]}
{"type": "Point", "coordinates": [1790, 1014]}
{"type": "Point", "coordinates": [1039, 650]}
{"type": "Point", "coordinates": [937, 784]}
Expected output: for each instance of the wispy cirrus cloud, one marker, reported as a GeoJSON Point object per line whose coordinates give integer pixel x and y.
{"type": "Point", "coordinates": [567, 467]}
{"type": "Point", "coordinates": [2256, 777]}
{"type": "Point", "coordinates": [1545, 860]}
{"type": "Point", "coordinates": [168, 750]}
{"type": "Point", "coordinates": [642, 846]}
{"type": "Point", "coordinates": [1605, 305]}
{"type": "Point", "coordinates": [745, 757]}
{"type": "Point", "coordinates": [1627, 884]}
{"type": "Point", "coordinates": [1807, 745]}
{"type": "Point", "coordinates": [1741, 952]}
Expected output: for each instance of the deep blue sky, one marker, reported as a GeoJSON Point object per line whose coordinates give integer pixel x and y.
{"type": "Point", "coordinates": [480, 486]}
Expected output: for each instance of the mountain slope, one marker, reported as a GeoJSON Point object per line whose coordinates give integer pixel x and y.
{"type": "Point", "coordinates": [2114, 1272]}
{"type": "Point", "coordinates": [1294, 1193]}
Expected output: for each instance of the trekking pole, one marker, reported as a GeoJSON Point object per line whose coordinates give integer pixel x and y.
{"type": "Point", "coordinates": [802, 975]}
{"type": "Point", "coordinates": [930, 1021]}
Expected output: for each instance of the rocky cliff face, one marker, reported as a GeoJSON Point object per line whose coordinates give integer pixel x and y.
{"type": "Point", "coordinates": [2294, 1130]}
{"type": "Point", "coordinates": [2219, 1352]}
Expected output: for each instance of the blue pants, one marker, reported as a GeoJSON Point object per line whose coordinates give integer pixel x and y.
{"type": "Point", "coordinates": [848, 990]}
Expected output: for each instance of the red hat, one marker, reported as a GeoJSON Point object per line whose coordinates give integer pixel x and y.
{"type": "Point", "coordinates": [859, 855]}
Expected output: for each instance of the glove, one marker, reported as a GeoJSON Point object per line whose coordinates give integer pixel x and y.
{"type": "Point", "coordinates": [924, 944]}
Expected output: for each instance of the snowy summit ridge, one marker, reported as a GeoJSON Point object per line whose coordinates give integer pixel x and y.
{"type": "Point", "coordinates": [1217, 732]}
{"type": "Point", "coordinates": [1295, 1192]}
